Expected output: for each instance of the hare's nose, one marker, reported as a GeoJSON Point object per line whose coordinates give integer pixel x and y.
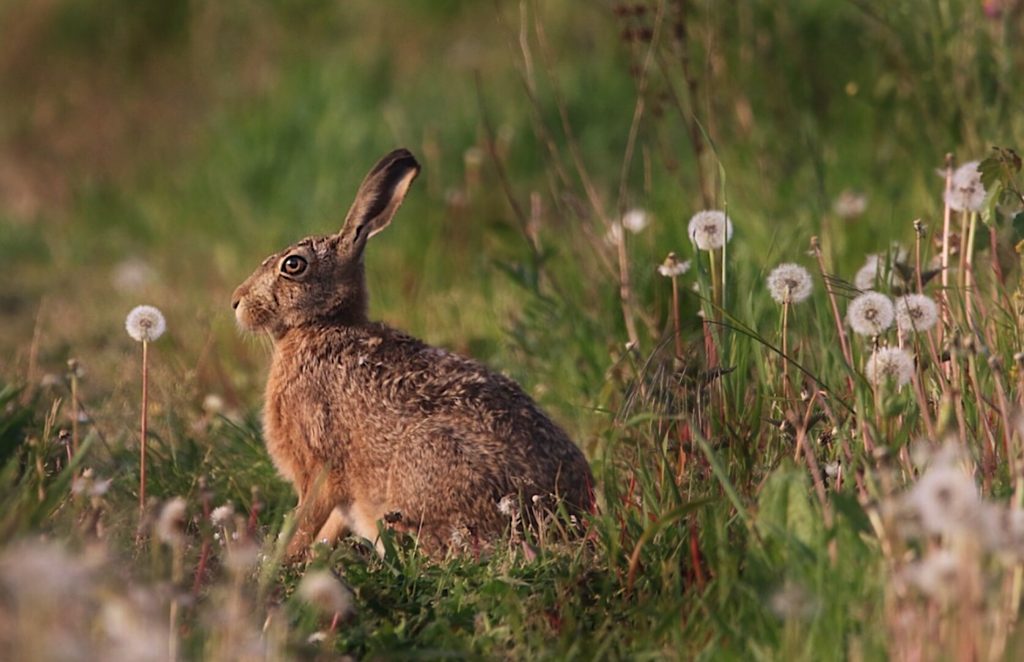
{"type": "Point", "coordinates": [234, 304]}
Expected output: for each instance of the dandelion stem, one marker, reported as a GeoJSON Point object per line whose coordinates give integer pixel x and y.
{"type": "Point", "coordinates": [626, 292]}
{"type": "Point", "coordinates": [73, 365]}
{"type": "Point", "coordinates": [946, 215]}
{"type": "Point", "coordinates": [785, 350]}
{"type": "Point", "coordinates": [144, 423]}
{"type": "Point", "coordinates": [837, 318]}
{"type": "Point", "coordinates": [968, 250]}
{"type": "Point", "coordinates": [675, 318]}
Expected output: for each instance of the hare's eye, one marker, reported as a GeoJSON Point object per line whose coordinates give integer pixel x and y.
{"type": "Point", "coordinates": [293, 265]}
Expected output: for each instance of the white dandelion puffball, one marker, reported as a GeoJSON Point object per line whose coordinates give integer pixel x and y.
{"type": "Point", "coordinates": [946, 499]}
{"type": "Point", "coordinates": [145, 323]}
{"type": "Point", "coordinates": [870, 275]}
{"type": "Point", "coordinates": [850, 204]}
{"type": "Point", "coordinates": [789, 283]}
{"type": "Point", "coordinates": [870, 314]}
{"type": "Point", "coordinates": [966, 192]}
{"type": "Point", "coordinates": [938, 574]}
{"type": "Point", "coordinates": [890, 363]}
{"type": "Point", "coordinates": [222, 515]}
{"type": "Point", "coordinates": [916, 312]}
{"type": "Point", "coordinates": [673, 266]}
{"type": "Point", "coordinates": [614, 235]}
{"type": "Point", "coordinates": [710, 229]}
{"type": "Point", "coordinates": [170, 525]}
{"type": "Point", "coordinates": [635, 220]}
{"type": "Point", "coordinates": [323, 590]}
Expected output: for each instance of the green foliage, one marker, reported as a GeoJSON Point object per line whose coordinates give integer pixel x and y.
{"type": "Point", "coordinates": [206, 135]}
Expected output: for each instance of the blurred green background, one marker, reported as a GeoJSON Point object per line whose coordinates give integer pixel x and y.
{"type": "Point", "coordinates": [154, 152]}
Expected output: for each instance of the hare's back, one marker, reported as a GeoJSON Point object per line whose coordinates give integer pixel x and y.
{"type": "Point", "coordinates": [418, 394]}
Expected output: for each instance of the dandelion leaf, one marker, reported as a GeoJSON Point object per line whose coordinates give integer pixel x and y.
{"type": "Point", "coordinates": [786, 514]}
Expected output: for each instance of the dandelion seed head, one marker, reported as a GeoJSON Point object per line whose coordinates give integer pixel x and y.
{"type": "Point", "coordinates": [890, 363]}
{"type": "Point", "coordinates": [132, 275]}
{"type": "Point", "coordinates": [170, 525]}
{"type": "Point", "coordinates": [938, 574]}
{"type": "Point", "coordinates": [213, 404]}
{"type": "Point", "coordinates": [635, 220]}
{"type": "Point", "coordinates": [673, 266]}
{"type": "Point", "coordinates": [710, 229]}
{"type": "Point", "coordinates": [323, 590]}
{"type": "Point", "coordinates": [792, 601]}
{"type": "Point", "coordinates": [145, 323]}
{"type": "Point", "coordinates": [946, 499]}
{"type": "Point", "coordinates": [966, 192]}
{"type": "Point", "coordinates": [870, 313]}
{"type": "Point", "coordinates": [872, 274]}
{"type": "Point", "coordinates": [916, 312]}
{"type": "Point", "coordinates": [850, 204]}
{"type": "Point", "coordinates": [789, 283]}
{"type": "Point", "coordinates": [507, 505]}
{"type": "Point", "coordinates": [222, 515]}
{"type": "Point", "coordinates": [614, 235]}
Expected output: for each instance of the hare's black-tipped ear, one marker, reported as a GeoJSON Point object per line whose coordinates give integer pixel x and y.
{"type": "Point", "coordinates": [379, 197]}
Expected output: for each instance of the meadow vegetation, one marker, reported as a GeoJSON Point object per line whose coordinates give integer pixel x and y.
{"type": "Point", "coordinates": [819, 461]}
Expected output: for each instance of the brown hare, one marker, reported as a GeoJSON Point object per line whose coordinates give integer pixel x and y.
{"type": "Point", "coordinates": [369, 423]}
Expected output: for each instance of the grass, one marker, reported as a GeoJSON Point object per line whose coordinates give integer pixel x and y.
{"type": "Point", "coordinates": [739, 518]}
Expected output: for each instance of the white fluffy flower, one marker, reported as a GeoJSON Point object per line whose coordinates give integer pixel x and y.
{"type": "Point", "coordinates": [710, 229]}
{"type": "Point", "coordinates": [789, 283]}
{"type": "Point", "coordinates": [673, 266]}
{"type": "Point", "coordinates": [916, 312]}
{"type": "Point", "coordinates": [966, 192]}
{"type": "Point", "coordinates": [323, 590]}
{"type": "Point", "coordinates": [870, 275]}
{"type": "Point", "coordinates": [508, 506]}
{"type": "Point", "coordinates": [870, 313]}
{"type": "Point", "coordinates": [635, 220]}
{"type": "Point", "coordinates": [170, 526]}
{"type": "Point", "coordinates": [614, 235]}
{"type": "Point", "coordinates": [222, 515]}
{"type": "Point", "coordinates": [946, 499]}
{"type": "Point", "coordinates": [890, 363]}
{"type": "Point", "coordinates": [938, 574]}
{"type": "Point", "coordinates": [145, 323]}
{"type": "Point", "coordinates": [850, 204]}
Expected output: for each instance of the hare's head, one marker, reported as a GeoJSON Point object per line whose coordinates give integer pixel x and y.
{"type": "Point", "coordinates": [320, 280]}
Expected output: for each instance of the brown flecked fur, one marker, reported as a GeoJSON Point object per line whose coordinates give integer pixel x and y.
{"type": "Point", "coordinates": [371, 424]}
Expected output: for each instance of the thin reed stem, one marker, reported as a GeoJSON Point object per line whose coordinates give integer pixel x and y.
{"type": "Point", "coordinates": [144, 425]}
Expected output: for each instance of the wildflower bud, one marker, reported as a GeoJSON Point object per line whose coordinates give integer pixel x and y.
{"type": "Point", "coordinates": [919, 227]}
{"type": "Point", "coordinates": [1019, 359]}
{"type": "Point", "coordinates": [995, 363]}
{"type": "Point", "coordinates": [673, 266]}
{"type": "Point", "coordinates": [75, 368]}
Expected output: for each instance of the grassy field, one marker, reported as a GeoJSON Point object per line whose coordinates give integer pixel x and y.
{"type": "Point", "coordinates": [765, 490]}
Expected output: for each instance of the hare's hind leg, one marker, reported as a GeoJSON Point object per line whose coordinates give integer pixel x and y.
{"type": "Point", "coordinates": [336, 526]}
{"type": "Point", "coordinates": [313, 513]}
